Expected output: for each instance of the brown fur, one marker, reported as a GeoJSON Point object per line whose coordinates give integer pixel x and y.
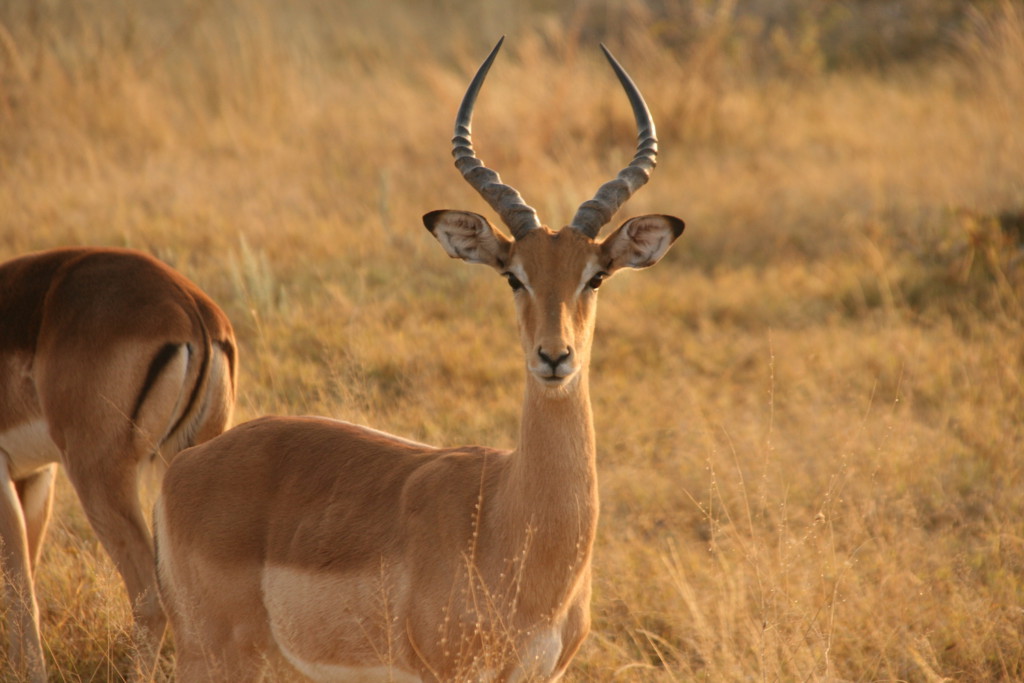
{"type": "Point", "coordinates": [107, 357]}
{"type": "Point", "coordinates": [348, 549]}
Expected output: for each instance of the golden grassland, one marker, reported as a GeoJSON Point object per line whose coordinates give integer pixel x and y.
{"type": "Point", "coordinates": [810, 416]}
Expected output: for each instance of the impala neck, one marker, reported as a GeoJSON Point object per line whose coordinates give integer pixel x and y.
{"type": "Point", "coordinates": [556, 451]}
{"type": "Point", "coordinates": [553, 483]}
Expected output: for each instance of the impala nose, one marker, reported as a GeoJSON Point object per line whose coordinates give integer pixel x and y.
{"type": "Point", "coordinates": [552, 360]}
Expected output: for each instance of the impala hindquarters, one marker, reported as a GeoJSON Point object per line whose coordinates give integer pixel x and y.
{"type": "Point", "coordinates": [107, 358]}
{"type": "Point", "coordinates": [352, 554]}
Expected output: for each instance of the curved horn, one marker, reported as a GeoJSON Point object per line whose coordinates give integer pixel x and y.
{"type": "Point", "coordinates": [516, 214]}
{"type": "Point", "coordinates": [595, 213]}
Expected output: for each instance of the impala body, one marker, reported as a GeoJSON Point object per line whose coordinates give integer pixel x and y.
{"type": "Point", "coordinates": [359, 556]}
{"type": "Point", "coordinates": [108, 358]}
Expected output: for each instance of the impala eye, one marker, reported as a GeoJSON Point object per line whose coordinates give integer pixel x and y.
{"type": "Point", "coordinates": [596, 281]}
{"type": "Point", "coordinates": [513, 282]}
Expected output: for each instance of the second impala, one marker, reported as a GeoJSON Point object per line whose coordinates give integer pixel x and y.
{"type": "Point", "coordinates": [362, 556]}
{"type": "Point", "coordinates": [108, 359]}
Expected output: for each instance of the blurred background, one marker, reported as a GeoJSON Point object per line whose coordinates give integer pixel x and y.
{"type": "Point", "coordinates": [809, 414]}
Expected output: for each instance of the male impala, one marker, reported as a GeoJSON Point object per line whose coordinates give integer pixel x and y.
{"type": "Point", "coordinates": [362, 556]}
{"type": "Point", "coordinates": [107, 358]}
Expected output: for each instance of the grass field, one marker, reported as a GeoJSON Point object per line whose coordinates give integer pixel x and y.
{"type": "Point", "coordinates": [810, 416]}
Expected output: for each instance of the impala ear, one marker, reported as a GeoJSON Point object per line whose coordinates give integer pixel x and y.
{"type": "Point", "coordinates": [641, 242]}
{"type": "Point", "coordinates": [469, 236]}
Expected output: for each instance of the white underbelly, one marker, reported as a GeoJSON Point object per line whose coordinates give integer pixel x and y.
{"type": "Point", "coordinates": [336, 627]}
{"type": "Point", "coordinates": [28, 448]}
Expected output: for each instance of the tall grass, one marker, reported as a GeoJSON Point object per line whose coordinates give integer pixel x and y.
{"type": "Point", "coordinates": [809, 416]}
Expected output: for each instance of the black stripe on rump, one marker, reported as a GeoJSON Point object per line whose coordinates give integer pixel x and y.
{"type": "Point", "coordinates": [160, 361]}
{"type": "Point", "coordinates": [198, 387]}
{"type": "Point", "coordinates": [228, 349]}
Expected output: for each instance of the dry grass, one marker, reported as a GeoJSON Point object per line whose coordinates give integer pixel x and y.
{"type": "Point", "coordinates": [809, 416]}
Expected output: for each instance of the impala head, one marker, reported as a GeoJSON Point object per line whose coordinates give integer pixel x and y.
{"type": "Point", "coordinates": [555, 276]}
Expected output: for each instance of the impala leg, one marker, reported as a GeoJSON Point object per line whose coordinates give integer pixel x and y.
{"type": "Point", "coordinates": [25, 646]}
{"type": "Point", "coordinates": [221, 628]}
{"type": "Point", "coordinates": [36, 495]}
{"type": "Point", "coordinates": [238, 663]}
{"type": "Point", "coordinates": [111, 502]}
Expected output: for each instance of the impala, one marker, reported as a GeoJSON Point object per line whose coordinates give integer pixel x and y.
{"type": "Point", "coordinates": [108, 358]}
{"type": "Point", "coordinates": [362, 556]}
